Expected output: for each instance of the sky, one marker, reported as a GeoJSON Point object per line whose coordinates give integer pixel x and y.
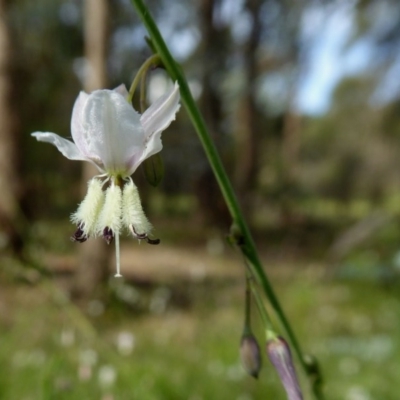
{"type": "Point", "coordinates": [329, 60]}
{"type": "Point", "coordinates": [329, 31]}
{"type": "Point", "coordinates": [326, 31]}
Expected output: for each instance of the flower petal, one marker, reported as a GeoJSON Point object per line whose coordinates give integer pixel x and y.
{"type": "Point", "coordinates": [78, 130]}
{"type": "Point", "coordinates": [121, 89]}
{"type": "Point", "coordinates": [157, 118]}
{"type": "Point", "coordinates": [107, 129]}
{"type": "Point", "coordinates": [66, 147]}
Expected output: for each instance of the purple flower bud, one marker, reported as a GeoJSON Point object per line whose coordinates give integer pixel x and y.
{"type": "Point", "coordinates": [250, 355]}
{"type": "Point", "coordinates": [279, 354]}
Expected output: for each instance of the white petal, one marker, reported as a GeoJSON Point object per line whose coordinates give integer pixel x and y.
{"type": "Point", "coordinates": [77, 130]}
{"type": "Point", "coordinates": [106, 127]}
{"type": "Point", "coordinates": [121, 89]}
{"type": "Point", "coordinates": [157, 118]}
{"type": "Point", "coordinates": [162, 112]}
{"type": "Point", "coordinates": [66, 147]}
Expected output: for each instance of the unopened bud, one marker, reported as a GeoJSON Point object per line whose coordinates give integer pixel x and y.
{"type": "Point", "coordinates": [153, 169]}
{"type": "Point", "coordinates": [235, 237]}
{"type": "Point", "coordinates": [250, 355]}
{"type": "Point", "coordinates": [313, 371]}
{"type": "Point", "coordinates": [280, 356]}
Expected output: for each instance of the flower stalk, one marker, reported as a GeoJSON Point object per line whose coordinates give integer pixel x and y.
{"type": "Point", "coordinates": [250, 353]}
{"type": "Point", "coordinates": [247, 245]}
{"type": "Point", "coordinates": [152, 61]}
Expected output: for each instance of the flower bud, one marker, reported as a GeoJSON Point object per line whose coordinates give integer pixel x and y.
{"type": "Point", "coordinates": [153, 169]}
{"type": "Point", "coordinates": [279, 354]}
{"type": "Point", "coordinates": [250, 355]}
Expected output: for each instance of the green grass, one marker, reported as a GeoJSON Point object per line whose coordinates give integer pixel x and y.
{"type": "Point", "coordinates": [189, 350]}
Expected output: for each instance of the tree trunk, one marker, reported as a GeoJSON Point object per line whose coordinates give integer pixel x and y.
{"type": "Point", "coordinates": [292, 126]}
{"type": "Point", "coordinates": [214, 49]}
{"type": "Point", "coordinates": [94, 255]}
{"type": "Point", "coordinates": [247, 133]}
{"type": "Point", "coordinates": [10, 178]}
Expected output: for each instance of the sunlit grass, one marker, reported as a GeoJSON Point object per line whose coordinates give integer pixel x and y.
{"type": "Point", "coordinates": [187, 348]}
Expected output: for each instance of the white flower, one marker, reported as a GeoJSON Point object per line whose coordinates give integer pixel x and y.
{"type": "Point", "coordinates": [110, 134]}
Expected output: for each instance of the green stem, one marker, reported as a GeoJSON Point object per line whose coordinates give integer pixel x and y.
{"type": "Point", "coordinates": [247, 311]}
{"type": "Point", "coordinates": [261, 307]}
{"type": "Point", "coordinates": [248, 248]}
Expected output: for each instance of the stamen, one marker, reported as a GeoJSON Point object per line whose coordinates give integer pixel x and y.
{"type": "Point", "coordinates": [89, 209]}
{"type": "Point", "coordinates": [79, 235]}
{"type": "Point", "coordinates": [117, 257]}
{"type": "Point", "coordinates": [133, 216]}
{"type": "Point", "coordinates": [110, 215]}
{"type": "Point", "coordinates": [135, 234]}
{"type": "Point", "coordinates": [153, 241]}
{"type": "Point", "coordinates": [141, 236]}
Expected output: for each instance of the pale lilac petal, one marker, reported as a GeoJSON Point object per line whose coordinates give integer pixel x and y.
{"type": "Point", "coordinates": [109, 130]}
{"type": "Point", "coordinates": [66, 147]}
{"type": "Point", "coordinates": [157, 118]}
{"type": "Point", "coordinates": [281, 358]}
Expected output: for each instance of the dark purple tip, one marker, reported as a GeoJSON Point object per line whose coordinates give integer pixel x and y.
{"type": "Point", "coordinates": [281, 358]}
{"type": "Point", "coordinates": [153, 241]}
{"type": "Point", "coordinates": [108, 235]}
{"type": "Point", "coordinates": [79, 236]}
{"type": "Point", "coordinates": [137, 235]}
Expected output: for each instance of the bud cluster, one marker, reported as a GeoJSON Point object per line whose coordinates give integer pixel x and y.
{"type": "Point", "coordinates": [105, 212]}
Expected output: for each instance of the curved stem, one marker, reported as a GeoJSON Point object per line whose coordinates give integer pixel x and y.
{"type": "Point", "coordinates": [248, 247]}
{"type": "Point", "coordinates": [151, 61]}
{"type": "Point", "coordinates": [247, 310]}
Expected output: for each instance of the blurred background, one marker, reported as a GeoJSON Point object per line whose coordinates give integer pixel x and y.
{"type": "Point", "coordinates": [302, 99]}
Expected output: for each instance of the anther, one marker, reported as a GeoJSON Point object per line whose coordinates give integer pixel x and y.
{"type": "Point", "coordinates": [137, 235]}
{"type": "Point", "coordinates": [153, 241]}
{"type": "Point", "coordinates": [79, 236]}
{"type": "Point", "coordinates": [108, 235]}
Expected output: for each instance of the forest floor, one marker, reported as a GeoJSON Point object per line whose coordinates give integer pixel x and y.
{"type": "Point", "coordinates": [171, 328]}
